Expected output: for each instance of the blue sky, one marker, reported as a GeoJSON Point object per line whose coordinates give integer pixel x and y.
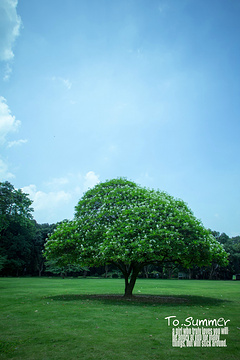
{"type": "Point", "coordinates": [96, 89]}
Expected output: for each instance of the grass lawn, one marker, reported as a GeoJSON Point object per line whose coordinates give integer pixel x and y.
{"type": "Point", "coordinates": [53, 318]}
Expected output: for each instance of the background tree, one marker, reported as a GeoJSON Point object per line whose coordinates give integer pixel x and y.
{"type": "Point", "coordinates": [122, 223]}
{"type": "Point", "coordinates": [64, 270]}
{"type": "Point", "coordinates": [232, 246]}
{"type": "Point", "coordinates": [42, 233]}
{"type": "Point", "coordinates": [17, 230]}
{"type": "Point", "coordinates": [3, 260]}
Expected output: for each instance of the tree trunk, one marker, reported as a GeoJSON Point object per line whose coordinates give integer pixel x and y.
{"type": "Point", "coordinates": [129, 285]}
{"type": "Point", "coordinates": [40, 268]}
{"type": "Point", "coordinates": [106, 271]}
{"type": "Point", "coordinates": [128, 290]}
{"type": "Point", "coordinates": [213, 271]}
{"type": "Point", "coordinates": [146, 271]}
{"type": "Point", "coordinates": [169, 273]}
{"type": "Point", "coordinates": [189, 274]}
{"type": "Point", "coordinates": [131, 270]}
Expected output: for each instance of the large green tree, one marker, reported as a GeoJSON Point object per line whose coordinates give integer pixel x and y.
{"type": "Point", "coordinates": [130, 226]}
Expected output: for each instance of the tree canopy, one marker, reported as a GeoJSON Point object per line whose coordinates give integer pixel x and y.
{"type": "Point", "coordinates": [130, 226]}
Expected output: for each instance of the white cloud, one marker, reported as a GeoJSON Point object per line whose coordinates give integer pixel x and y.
{"type": "Point", "coordinates": [66, 82]}
{"type": "Point", "coordinates": [90, 180]}
{"type": "Point", "coordinates": [8, 122]}
{"type": "Point", "coordinates": [163, 7]}
{"type": "Point", "coordinates": [46, 201]}
{"type": "Point", "coordinates": [62, 194]}
{"type": "Point", "coordinates": [10, 27]}
{"type": "Point", "coordinates": [145, 179]}
{"type": "Point", "coordinates": [16, 143]}
{"type": "Point", "coordinates": [56, 182]}
{"type": "Point", "coordinates": [74, 183]}
{"type": "Point", "coordinates": [49, 207]}
{"type": "Point", "coordinates": [7, 72]}
{"type": "Point", "coordinates": [10, 23]}
{"type": "Point", "coordinates": [4, 173]}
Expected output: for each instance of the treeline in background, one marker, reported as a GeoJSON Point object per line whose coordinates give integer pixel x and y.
{"type": "Point", "coordinates": [22, 242]}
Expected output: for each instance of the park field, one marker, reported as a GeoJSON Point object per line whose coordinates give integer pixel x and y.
{"type": "Point", "coordinates": [88, 319]}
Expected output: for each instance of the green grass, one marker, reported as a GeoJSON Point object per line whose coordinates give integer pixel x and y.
{"type": "Point", "coordinates": [53, 318]}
